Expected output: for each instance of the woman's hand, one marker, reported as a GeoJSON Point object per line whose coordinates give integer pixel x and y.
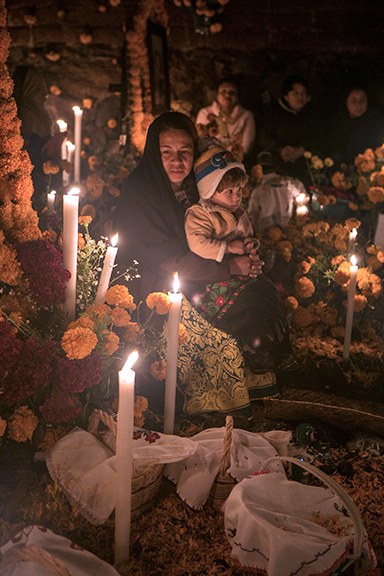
{"type": "Point", "coordinates": [249, 265]}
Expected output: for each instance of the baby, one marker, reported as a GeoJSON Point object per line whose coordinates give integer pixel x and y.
{"type": "Point", "coordinates": [218, 224]}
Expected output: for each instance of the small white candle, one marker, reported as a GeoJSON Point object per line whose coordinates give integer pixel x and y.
{"type": "Point", "coordinates": [51, 201]}
{"type": "Point", "coordinates": [78, 119]}
{"type": "Point", "coordinates": [70, 241]}
{"type": "Point", "coordinates": [352, 241]}
{"type": "Point", "coordinates": [105, 277]}
{"type": "Point", "coordinates": [172, 352]}
{"type": "Point", "coordinates": [301, 210]}
{"type": "Point", "coordinates": [351, 299]}
{"type": "Point", "coordinates": [124, 460]}
{"type": "Point", "coordinates": [69, 157]}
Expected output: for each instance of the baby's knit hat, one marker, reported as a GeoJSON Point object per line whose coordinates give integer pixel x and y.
{"type": "Point", "coordinates": [211, 167]}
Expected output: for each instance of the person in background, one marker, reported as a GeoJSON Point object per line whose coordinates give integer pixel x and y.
{"type": "Point", "coordinates": [356, 127]}
{"type": "Point", "coordinates": [227, 121]}
{"type": "Point", "coordinates": [291, 126]}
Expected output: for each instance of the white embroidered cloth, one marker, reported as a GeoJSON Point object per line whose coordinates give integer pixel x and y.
{"type": "Point", "coordinates": [268, 522]}
{"type": "Point", "coordinates": [85, 467]}
{"type": "Point", "coordinates": [76, 560]}
{"type": "Point", "coordinates": [195, 475]}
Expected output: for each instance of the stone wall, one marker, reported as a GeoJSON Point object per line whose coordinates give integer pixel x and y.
{"type": "Point", "coordinates": [78, 44]}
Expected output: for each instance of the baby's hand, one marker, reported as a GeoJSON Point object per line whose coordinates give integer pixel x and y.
{"type": "Point", "coordinates": [235, 247]}
{"type": "Point", "coordinates": [251, 245]}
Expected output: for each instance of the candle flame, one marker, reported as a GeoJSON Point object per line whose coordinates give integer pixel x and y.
{"type": "Point", "coordinates": [301, 198]}
{"type": "Point", "coordinates": [353, 260]}
{"type": "Point", "coordinates": [73, 191]}
{"type": "Point", "coordinates": [176, 283]}
{"type": "Point", "coordinates": [53, 192]}
{"type": "Point", "coordinates": [114, 240]}
{"type": "Point", "coordinates": [353, 234]}
{"type": "Point", "coordinates": [70, 146]}
{"type": "Point", "coordinates": [77, 110]}
{"type": "Point", "coordinates": [62, 125]}
{"type": "Point", "coordinates": [131, 360]}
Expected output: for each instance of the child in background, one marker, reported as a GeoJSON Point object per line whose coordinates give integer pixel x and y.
{"type": "Point", "coordinates": [218, 224]}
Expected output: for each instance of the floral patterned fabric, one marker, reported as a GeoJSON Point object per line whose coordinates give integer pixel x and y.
{"type": "Point", "coordinates": [218, 297]}
{"type": "Point", "coordinates": [211, 371]}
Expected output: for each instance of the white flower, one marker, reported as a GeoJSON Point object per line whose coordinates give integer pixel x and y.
{"type": "Point", "coordinates": [328, 162]}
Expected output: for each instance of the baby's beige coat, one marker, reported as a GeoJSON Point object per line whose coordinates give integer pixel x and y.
{"type": "Point", "coordinates": [210, 227]}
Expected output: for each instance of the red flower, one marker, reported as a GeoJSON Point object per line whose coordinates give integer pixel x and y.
{"type": "Point", "coordinates": [227, 283]}
{"type": "Point", "coordinates": [220, 301]}
{"type": "Point", "coordinates": [60, 407]}
{"type": "Point", "coordinates": [76, 375]}
{"type": "Point", "coordinates": [230, 302]}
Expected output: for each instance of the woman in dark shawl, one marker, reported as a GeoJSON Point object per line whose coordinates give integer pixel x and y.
{"type": "Point", "coordinates": [149, 218]}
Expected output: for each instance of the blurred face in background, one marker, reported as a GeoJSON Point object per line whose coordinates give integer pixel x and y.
{"type": "Point", "coordinates": [357, 103]}
{"type": "Point", "coordinates": [297, 97]}
{"type": "Point", "coordinates": [227, 96]}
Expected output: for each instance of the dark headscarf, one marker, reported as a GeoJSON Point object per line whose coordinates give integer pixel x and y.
{"type": "Point", "coordinates": [30, 91]}
{"type": "Point", "coordinates": [148, 217]}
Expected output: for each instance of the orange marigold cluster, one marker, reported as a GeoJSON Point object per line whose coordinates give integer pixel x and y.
{"type": "Point", "coordinates": [158, 370]}
{"type": "Point", "coordinates": [119, 295]}
{"type": "Point", "coordinates": [22, 424]}
{"type": "Point", "coordinates": [159, 301]}
{"type": "Point", "coordinates": [304, 287]}
{"type": "Point", "coordinates": [78, 342]}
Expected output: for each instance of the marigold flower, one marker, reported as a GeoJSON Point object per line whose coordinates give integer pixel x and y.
{"type": "Point", "coordinates": [50, 168]}
{"type": "Point", "coordinates": [302, 317]}
{"type": "Point", "coordinates": [352, 206]}
{"type": "Point", "coordinates": [183, 335]}
{"type": "Point", "coordinates": [359, 302]}
{"type": "Point", "coordinates": [158, 370]}
{"type": "Point", "coordinates": [365, 162]}
{"type": "Point", "coordinates": [118, 295]}
{"type": "Point", "coordinates": [78, 343]}
{"type": "Point", "coordinates": [120, 317]}
{"type": "Point", "coordinates": [131, 331]}
{"type": "Point", "coordinates": [159, 301]}
{"type": "Point", "coordinates": [3, 425]}
{"type": "Point", "coordinates": [285, 249]}
{"type": "Point", "coordinates": [374, 263]}
{"type": "Point", "coordinates": [49, 236]}
{"type": "Point", "coordinates": [336, 260]}
{"type": "Point", "coordinates": [343, 273]}
{"type": "Point", "coordinates": [376, 194]}
{"type": "Point", "coordinates": [112, 343]}
{"type": "Point", "coordinates": [83, 322]}
{"type": "Point", "coordinates": [323, 200]}
{"type": "Point", "coordinates": [352, 223]}
{"type": "Point", "coordinates": [304, 287]}
{"type": "Point", "coordinates": [85, 220]}
{"type": "Point", "coordinates": [291, 303]}
{"type": "Point", "coordinates": [140, 406]}
{"type": "Point", "coordinates": [274, 233]}
{"type": "Point", "coordinates": [22, 424]}
{"type": "Point", "coordinates": [88, 211]}
{"type": "Point", "coordinates": [328, 162]}
{"type": "Point", "coordinates": [99, 311]}
{"type": "Point", "coordinates": [362, 187]}
{"type": "Point", "coordinates": [304, 267]}
{"type": "Point", "coordinates": [307, 154]}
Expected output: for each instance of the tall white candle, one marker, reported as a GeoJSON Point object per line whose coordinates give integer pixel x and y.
{"type": "Point", "coordinates": [69, 157]}
{"type": "Point", "coordinates": [172, 352]}
{"type": "Point", "coordinates": [70, 241]}
{"type": "Point", "coordinates": [51, 201]}
{"type": "Point", "coordinates": [124, 460]}
{"type": "Point", "coordinates": [78, 120]}
{"type": "Point", "coordinates": [109, 261]}
{"type": "Point", "coordinates": [351, 299]}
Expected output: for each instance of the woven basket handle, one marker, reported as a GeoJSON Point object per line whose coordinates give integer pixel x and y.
{"type": "Point", "coordinates": [100, 415]}
{"type": "Point", "coordinates": [33, 554]}
{"type": "Point", "coordinates": [226, 456]}
{"type": "Point", "coordinates": [349, 503]}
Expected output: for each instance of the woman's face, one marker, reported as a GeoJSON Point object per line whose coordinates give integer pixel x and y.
{"type": "Point", "coordinates": [227, 96]}
{"type": "Point", "coordinates": [176, 149]}
{"type": "Point", "coordinates": [297, 97]}
{"type": "Point", "coordinates": [357, 103]}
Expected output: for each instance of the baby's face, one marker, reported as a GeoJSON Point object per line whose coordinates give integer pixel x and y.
{"type": "Point", "coordinates": [230, 198]}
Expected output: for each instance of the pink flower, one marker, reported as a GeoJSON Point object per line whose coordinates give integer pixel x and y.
{"type": "Point", "coordinates": [220, 301]}
{"type": "Point", "coordinates": [60, 407]}
{"type": "Point", "coordinates": [226, 283]}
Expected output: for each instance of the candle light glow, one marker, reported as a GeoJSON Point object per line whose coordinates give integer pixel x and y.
{"type": "Point", "coordinates": [51, 201]}
{"type": "Point", "coordinates": [172, 352]}
{"type": "Point", "coordinates": [124, 461]}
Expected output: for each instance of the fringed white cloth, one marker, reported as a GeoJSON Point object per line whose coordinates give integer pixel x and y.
{"type": "Point", "coordinates": [85, 467]}
{"type": "Point", "coordinates": [195, 475]}
{"type": "Point", "coordinates": [272, 527]}
{"type": "Point", "coordinates": [36, 551]}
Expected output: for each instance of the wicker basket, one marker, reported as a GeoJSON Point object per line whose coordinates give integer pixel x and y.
{"type": "Point", "coordinates": [223, 484]}
{"type": "Point", "coordinates": [145, 482]}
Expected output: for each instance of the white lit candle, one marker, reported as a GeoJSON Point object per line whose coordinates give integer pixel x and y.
{"type": "Point", "coordinates": [352, 241]}
{"type": "Point", "coordinates": [301, 210]}
{"type": "Point", "coordinates": [105, 277]}
{"type": "Point", "coordinates": [63, 128]}
{"type": "Point", "coordinates": [124, 461]}
{"type": "Point", "coordinates": [78, 119]}
{"type": "Point", "coordinates": [172, 352]}
{"type": "Point", "coordinates": [70, 241]}
{"type": "Point", "coordinates": [51, 201]}
{"type": "Point", "coordinates": [69, 157]}
{"type": "Point", "coordinates": [350, 304]}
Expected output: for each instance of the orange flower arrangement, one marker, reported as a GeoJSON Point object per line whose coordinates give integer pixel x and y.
{"type": "Point", "coordinates": [22, 424]}
{"type": "Point", "coordinates": [159, 301]}
{"type": "Point", "coordinates": [78, 342]}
